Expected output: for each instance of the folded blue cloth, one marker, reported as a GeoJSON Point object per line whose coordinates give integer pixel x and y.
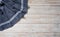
{"type": "Point", "coordinates": [11, 11]}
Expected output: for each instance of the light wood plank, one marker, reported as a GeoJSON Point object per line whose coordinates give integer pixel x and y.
{"type": "Point", "coordinates": [30, 35]}
{"type": "Point", "coordinates": [43, 10]}
{"type": "Point", "coordinates": [44, 2]}
{"type": "Point", "coordinates": [41, 16]}
{"type": "Point", "coordinates": [43, 28]}
{"type": "Point", "coordinates": [27, 35]}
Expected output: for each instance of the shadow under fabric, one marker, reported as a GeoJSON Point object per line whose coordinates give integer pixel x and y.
{"type": "Point", "coordinates": [11, 11]}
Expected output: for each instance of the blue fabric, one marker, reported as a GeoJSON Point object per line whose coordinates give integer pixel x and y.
{"type": "Point", "coordinates": [11, 11]}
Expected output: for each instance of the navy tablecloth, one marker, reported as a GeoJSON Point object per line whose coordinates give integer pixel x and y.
{"type": "Point", "coordinates": [11, 11]}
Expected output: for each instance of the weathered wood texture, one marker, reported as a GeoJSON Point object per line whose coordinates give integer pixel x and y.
{"type": "Point", "coordinates": [42, 20]}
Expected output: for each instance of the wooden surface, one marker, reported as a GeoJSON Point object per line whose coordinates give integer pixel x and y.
{"type": "Point", "coordinates": [42, 20]}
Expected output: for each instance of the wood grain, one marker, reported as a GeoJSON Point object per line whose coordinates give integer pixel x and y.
{"type": "Point", "coordinates": [42, 20]}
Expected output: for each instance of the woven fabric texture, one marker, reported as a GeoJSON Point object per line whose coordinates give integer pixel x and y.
{"type": "Point", "coordinates": [11, 11]}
